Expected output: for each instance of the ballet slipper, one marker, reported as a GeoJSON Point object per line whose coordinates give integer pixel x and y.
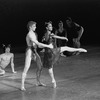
{"type": "Point", "coordinates": [23, 89]}
{"type": "Point", "coordinates": [82, 50]}
{"type": "Point", "coordinates": [54, 84]}
{"type": "Point", "coordinates": [15, 72]}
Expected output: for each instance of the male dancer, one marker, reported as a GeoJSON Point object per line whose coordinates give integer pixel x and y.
{"type": "Point", "coordinates": [31, 52]}
{"type": "Point", "coordinates": [5, 59]}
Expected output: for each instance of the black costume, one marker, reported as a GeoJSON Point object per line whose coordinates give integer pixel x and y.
{"type": "Point", "coordinates": [50, 55]}
{"type": "Point", "coordinates": [74, 34]}
{"type": "Point", "coordinates": [62, 33]}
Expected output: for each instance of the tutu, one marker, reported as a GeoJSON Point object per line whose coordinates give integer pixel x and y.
{"type": "Point", "coordinates": [50, 57]}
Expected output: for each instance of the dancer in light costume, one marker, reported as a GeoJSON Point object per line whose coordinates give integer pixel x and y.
{"type": "Point", "coordinates": [6, 59]}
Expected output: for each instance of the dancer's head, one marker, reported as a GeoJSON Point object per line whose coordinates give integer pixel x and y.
{"type": "Point", "coordinates": [49, 26]}
{"type": "Point", "coordinates": [6, 48]}
{"type": "Point", "coordinates": [68, 20]}
{"type": "Point", "coordinates": [31, 25]}
{"type": "Point", "coordinates": [60, 24]}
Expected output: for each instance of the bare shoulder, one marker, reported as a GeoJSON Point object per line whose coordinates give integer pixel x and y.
{"type": "Point", "coordinates": [1, 55]}
{"type": "Point", "coordinates": [11, 54]}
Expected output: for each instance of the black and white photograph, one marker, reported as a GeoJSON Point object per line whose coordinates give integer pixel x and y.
{"type": "Point", "coordinates": [49, 50]}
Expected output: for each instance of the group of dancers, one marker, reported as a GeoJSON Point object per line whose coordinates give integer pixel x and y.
{"type": "Point", "coordinates": [50, 53]}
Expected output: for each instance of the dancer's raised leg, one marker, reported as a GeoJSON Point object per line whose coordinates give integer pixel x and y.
{"type": "Point", "coordinates": [70, 49]}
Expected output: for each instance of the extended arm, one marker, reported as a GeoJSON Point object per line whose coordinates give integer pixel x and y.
{"type": "Point", "coordinates": [41, 45]}
{"type": "Point", "coordinates": [12, 64]}
{"type": "Point", "coordinates": [58, 37]}
{"type": "Point", "coordinates": [81, 32]}
{"type": "Point", "coordinates": [65, 33]}
{"type": "Point", "coordinates": [77, 24]}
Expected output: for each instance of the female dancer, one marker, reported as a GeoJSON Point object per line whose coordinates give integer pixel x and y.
{"type": "Point", "coordinates": [51, 55]}
{"type": "Point", "coordinates": [61, 32]}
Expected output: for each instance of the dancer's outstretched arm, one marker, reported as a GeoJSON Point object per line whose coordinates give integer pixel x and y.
{"type": "Point", "coordinates": [59, 37]}
{"type": "Point", "coordinates": [70, 49]}
{"type": "Point", "coordinates": [41, 45]}
{"type": "Point", "coordinates": [12, 64]}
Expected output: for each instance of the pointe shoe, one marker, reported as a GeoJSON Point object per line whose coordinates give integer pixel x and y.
{"type": "Point", "coordinates": [54, 84]}
{"type": "Point", "coordinates": [83, 50]}
{"type": "Point", "coordinates": [23, 89]}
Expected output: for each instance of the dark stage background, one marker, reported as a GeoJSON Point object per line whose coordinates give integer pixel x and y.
{"type": "Point", "coordinates": [14, 15]}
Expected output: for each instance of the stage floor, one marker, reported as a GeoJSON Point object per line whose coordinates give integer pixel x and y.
{"type": "Point", "coordinates": [78, 78]}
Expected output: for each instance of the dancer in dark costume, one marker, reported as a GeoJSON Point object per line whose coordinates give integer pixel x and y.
{"type": "Point", "coordinates": [31, 52]}
{"type": "Point", "coordinates": [75, 33]}
{"type": "Point", "coordinates": [63, 33]}
{"type": "Point", "coordinates": [52, 55]}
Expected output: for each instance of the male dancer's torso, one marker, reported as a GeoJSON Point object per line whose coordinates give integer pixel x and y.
{"type": "Point", "coordinates": [5, 59]}
{"type": "Point", "coordinates": [30, 38]}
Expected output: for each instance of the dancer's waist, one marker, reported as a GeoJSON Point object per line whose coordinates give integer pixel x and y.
{"type": "Point", "coordinates": [32, 48]}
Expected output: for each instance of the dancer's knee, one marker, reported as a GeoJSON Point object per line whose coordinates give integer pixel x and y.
{"type": "Point", "coordinates": [39, 69]}
{"type": "Point", "coordinates": [39, 64]}
{"type": "Point", "coordinates": [53, 81]}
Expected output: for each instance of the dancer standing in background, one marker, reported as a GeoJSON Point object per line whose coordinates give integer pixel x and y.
{"type": "Point", "coordinates": [75, 32]}
{"type": "Point", "coordinates": [63, 33]}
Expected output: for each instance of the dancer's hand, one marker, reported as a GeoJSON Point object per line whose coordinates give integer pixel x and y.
{"type": "Point", "coordinates": [50, 46]}
{"type": "Point", "coordinates": [66, 39]}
